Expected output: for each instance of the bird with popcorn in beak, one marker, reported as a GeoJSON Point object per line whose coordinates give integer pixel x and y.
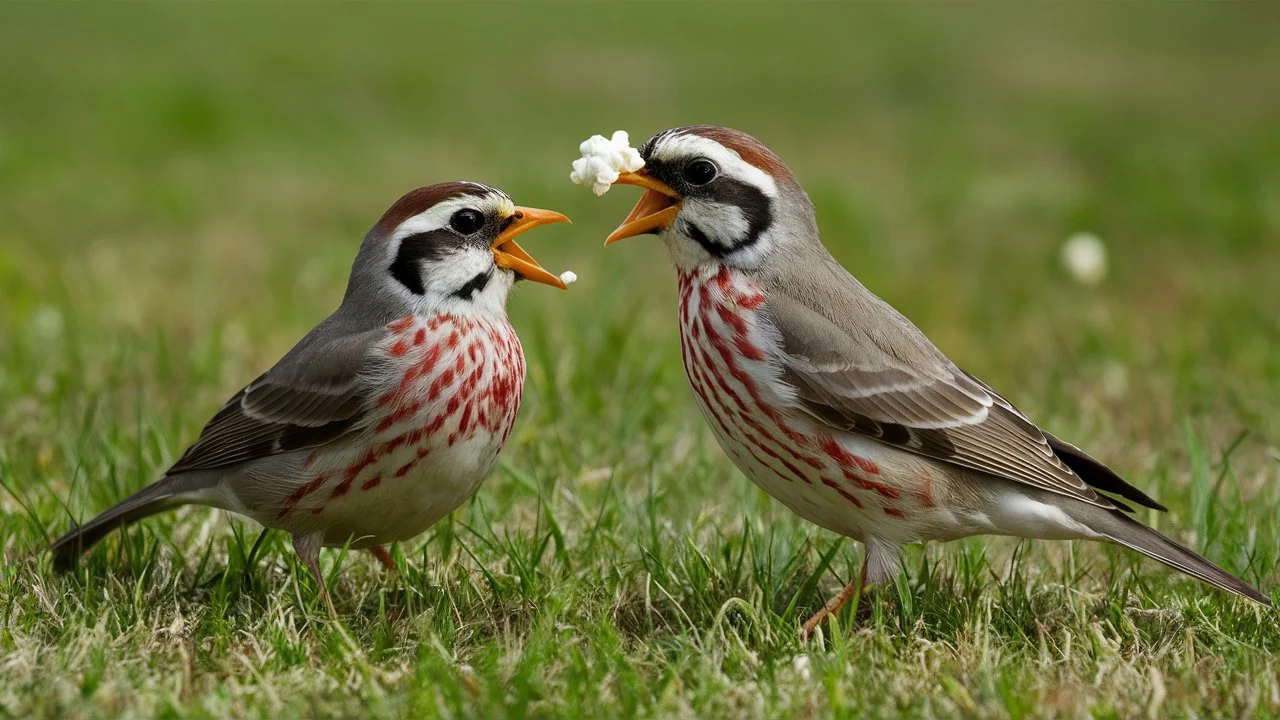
{"type": "Point", "coordinates": [828, 398]}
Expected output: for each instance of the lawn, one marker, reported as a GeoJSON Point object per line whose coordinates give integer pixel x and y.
{"type": "Point", "coordinates": [182, 189]}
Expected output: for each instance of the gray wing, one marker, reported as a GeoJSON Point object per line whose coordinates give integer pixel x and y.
{"type": "Point", "coordinates": [313, 396]}
{"type": "Point", "coordinates": [858, 365]}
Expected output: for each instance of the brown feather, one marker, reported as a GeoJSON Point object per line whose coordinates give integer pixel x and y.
{"type": "Point", "coordinates": [423, 198]}
{"type": "Point", "coordinates": [747, 147]}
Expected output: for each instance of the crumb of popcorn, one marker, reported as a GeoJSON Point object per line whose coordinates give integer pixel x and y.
{"type": "Point", "coordinates": [603, 160]}
{"type": "Point", "coordinates": [568, 277]}
{"type": "Point", "coordinates": [1085, 258]}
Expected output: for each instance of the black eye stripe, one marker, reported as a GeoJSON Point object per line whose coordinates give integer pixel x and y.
{"type": "Point", "coordinates": [431, 246]}
{"type": "Point", "coordinates": [756, 208]}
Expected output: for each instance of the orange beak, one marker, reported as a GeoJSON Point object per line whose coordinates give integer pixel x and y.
{"type": "Point", "coordinates": [655, 212]}
{"type": "Point", "coordinates": [507, 254]}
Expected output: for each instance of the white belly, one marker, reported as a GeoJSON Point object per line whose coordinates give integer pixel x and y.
{"type": "Point", "coordinates": [400, 508]}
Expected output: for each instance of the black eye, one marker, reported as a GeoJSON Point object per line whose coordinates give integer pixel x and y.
{"type": "Point", "coordinates": [700, 172]}
{"type": "Point", "coordinates": [466, 221]}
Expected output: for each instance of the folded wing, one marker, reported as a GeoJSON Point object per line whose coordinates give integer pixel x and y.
{"type": "Point", "coordinates": [861, 367]}
{"type": "Point", "coordinates": [313, 396]}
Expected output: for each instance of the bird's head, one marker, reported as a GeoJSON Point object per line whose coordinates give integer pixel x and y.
{"type": "Point", "coordinates": [448, 248]}
{"type": "Point", "coordinates": [716, 195]}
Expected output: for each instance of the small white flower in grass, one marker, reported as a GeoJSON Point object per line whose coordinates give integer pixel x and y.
{"type": "Point", "coordinates": [800, 664]}
{"type": "Point", "coordinates": [568, 277]}
{"type": "Point", "coordinates": [47, 322]}
{"type": "Point", "coordinates": [603, 159]}
{"type": "Point", "coordinates": [45, 384]}
{"type": "Point", "coordinates": [1085, 258]}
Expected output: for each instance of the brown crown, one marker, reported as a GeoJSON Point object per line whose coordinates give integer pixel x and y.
{"type": "Point", "coordinates": [418, 201]}
{"type": "Point", "coordinates": [747, 147]}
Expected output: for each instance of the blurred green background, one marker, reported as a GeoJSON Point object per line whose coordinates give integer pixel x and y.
{"type": "Point", "coordinates": [183, 186]}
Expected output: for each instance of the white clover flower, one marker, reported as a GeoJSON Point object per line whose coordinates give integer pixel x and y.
{"type": "Point", "coordinates": [603, 160]}
{"type": "Point", "coordinates": [800, 665]}
{"type": "Point", "coordinates": [568, 277]}
{"type": "Point", "coordinates": [47, 322]}
{"type": "Point", "coordinates": [1085, 258]}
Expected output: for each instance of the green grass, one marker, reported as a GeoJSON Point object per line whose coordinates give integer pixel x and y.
{"type": "Point", "coordinates": [182, 189]}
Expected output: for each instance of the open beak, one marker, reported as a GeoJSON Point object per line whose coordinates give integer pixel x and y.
{"type": "Point", "coordinates": [655, 212]}
{"type": "Point", "coordinates": [507, 254]}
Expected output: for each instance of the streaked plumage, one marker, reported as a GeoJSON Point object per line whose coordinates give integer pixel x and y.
{"type": "Point", "coordinates": [832, 401]}
{"type": "Point", "coordinates": [389, 413]}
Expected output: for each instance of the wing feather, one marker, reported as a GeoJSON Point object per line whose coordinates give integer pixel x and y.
{"type": "Point", "coordinates": [896, 387]}
{"type": "Point", "coordinates": [314, 395]}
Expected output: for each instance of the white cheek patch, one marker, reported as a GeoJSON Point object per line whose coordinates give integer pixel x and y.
{"type": "Point", "coordinates": [724, 225]}
{"type": "Point", "coordinates": [443, 278]}
{"type": "Point", "coordinates": [729, 162]}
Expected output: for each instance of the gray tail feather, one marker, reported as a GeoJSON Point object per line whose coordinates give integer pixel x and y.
{"type": "Point", "coordinates": [1122, 529]}
{"type": "Point", "coordinates": [161, 495]}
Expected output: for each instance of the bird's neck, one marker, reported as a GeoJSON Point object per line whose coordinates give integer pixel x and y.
{"type": "Point", "coordinates": [722, 284]}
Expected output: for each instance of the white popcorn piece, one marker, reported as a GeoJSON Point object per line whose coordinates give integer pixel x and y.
{"type": "Point", "coordinates": [1085, 258]}
{"type": "Point", "coordinates": [568, 277]}
{"type": "Point", "coordinates": [603, 160]}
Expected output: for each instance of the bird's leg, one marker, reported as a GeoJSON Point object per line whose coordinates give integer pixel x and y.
{"type": "Point", "coordinates": [838, 602]}
{"type": "Point", "coordinates": [380, 552]}
{"type": "Point", "coordinates": [862, 607]}
{"type": "Point", "coordinates": [308, 548]}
